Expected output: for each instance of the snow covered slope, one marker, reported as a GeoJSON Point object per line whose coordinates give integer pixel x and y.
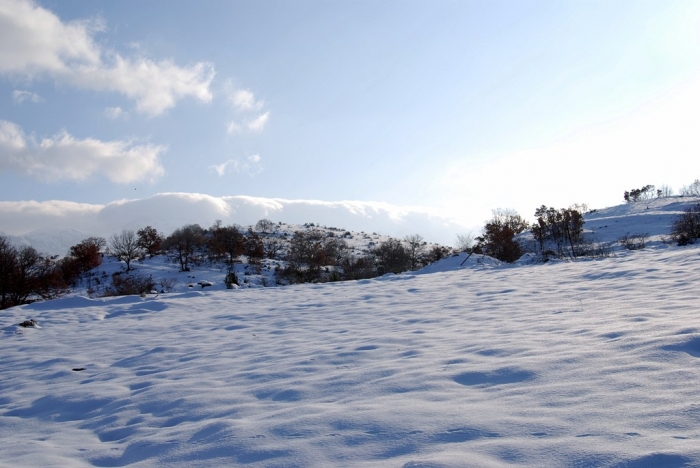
{"type": "Point", "coordinates": [587, 364]}
{"type": "Point", "coordinates": [652, 217]}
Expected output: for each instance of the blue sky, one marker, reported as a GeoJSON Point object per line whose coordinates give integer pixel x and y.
{"type": "Point", "coordinates": [453, 108]}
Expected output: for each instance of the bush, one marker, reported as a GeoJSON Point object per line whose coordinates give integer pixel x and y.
{"type": "Point", "coordinates": [167, 284]}
{"type": "Point", "coordinates": [686, 228]}
{"type": "Point", "coordinates": [25, 275]}
{"type": "Point", "coordinates": [126, 285]}
{"type": "Point", "coordinates": [558, 232]}
{"type": "Point", "coordinates": [498, 238]}
{"type": "Point", "coordinates": [634, 241]}
{"type": "Point", "coordinates": [392, 257]}
{"type": "Point", "coordinates": [356, 268]}
{"type": "Point", "coordinates": [231, 279]}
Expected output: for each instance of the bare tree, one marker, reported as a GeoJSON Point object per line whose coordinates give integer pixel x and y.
{"type": "Point", "coordinates": [692, 190]}
{"type": "Point", "coordinates": [415, 249]}
{"type": "Point", "coordinates": [273, 246]}
{"type": "Point", "coordinates": [664, 191]}
{"type": "Point", "coordinates": [465, 242]}
{"type": "Point", "coordinates": [125, 246]}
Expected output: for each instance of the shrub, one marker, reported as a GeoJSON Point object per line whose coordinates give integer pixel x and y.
{"type": "Point", "coordinates": [356, 268]}
{"type": "Point", "coordinates": [437, 252]}
{"type": "Point", "coordinates": [25, 275]}
{"type": "Point", "coordinates": [635, 241]}
{"type": "Point", "coordinates": [558, 231]}
{"type": "Point", "coordinates": [391, 257]}
{"type": "Point", "coordinates": [686, 228]}
{"type": "Point", "coordinates": [167, 284]}
{"type": "Point", "coordinates": [231, 279]}
{"type": "Point", "coordinates": [126, 285]}
{"type": "Point", "coordinates": [498, 238]}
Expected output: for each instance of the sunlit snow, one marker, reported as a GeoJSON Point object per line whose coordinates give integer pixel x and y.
{"type": "Point", "coordinates": [587, 363]}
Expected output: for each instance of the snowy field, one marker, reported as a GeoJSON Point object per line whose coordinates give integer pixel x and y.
{"type": "Point", "coordinates": [592, 363]}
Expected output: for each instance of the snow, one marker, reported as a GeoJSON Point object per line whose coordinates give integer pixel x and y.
{"type": "Point", "coordinates": [591, 363]}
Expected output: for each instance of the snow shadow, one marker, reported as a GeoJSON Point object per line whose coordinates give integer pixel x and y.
{"type": "Point", "coordinates": [691, 347]}
{"type": "Point", "coordinates": [496, 377]}
{"type": "Point", "coordinates": [656, 460]}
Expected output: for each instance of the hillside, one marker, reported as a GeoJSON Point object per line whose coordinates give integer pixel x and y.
{"type": "Point", "coordinates": [251, 272]}
{"type": "Point", "coordinates": [569, 363]}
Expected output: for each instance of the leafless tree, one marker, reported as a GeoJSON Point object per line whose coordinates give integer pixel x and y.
{"type": "Point", "coordinates": [415, 249]}
{"type": "Point", "coordinates": [465, 242]}
{"type": "Point", "coordinates": [692, 190]}
{"type": "Point", "coordinates": [664, 191]}
{"type": "Point", "coordinates": [125, 246]}
{"type": "Point", "coordinates": [273, 246]}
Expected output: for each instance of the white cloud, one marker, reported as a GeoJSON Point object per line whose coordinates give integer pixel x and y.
{"type": "Point", "coordinates": [64, 157]}
{"type": "Point", "coordinates": [20, 96]}
{"type": "Point", "coordinates": [251, 165]}
{"type": "Point", "coordinates": [241, 99]}
{"type": "Point", "coordinates": [168, 211]}
{"type": "Point", "coordinates": [115, 113]}
{"type": "Point", "coordinates": [35, 43]}
{"type": "Point", "coordinates": [258, 123]}
{"type": "Point", "coordinates": [244, 100]}
{"type": "Point", "coordinates": [233, 127]}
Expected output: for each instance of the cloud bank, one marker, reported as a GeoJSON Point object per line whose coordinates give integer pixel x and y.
{"type": "Point", "coordinates": [168, 211]}
{"type": "Point", "coordinates": [64, 157]}
{"type": "Point", "coordinates": [36, 44]}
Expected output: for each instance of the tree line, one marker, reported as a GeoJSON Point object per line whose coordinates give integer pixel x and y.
{"type": "Point", "coordinates": [313, 255]}
{"type": "Point", "coordinates": [310, 255]}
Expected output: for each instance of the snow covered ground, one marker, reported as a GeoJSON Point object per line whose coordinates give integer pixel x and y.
{"type": "Point", "coordinates": [592, 363]}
